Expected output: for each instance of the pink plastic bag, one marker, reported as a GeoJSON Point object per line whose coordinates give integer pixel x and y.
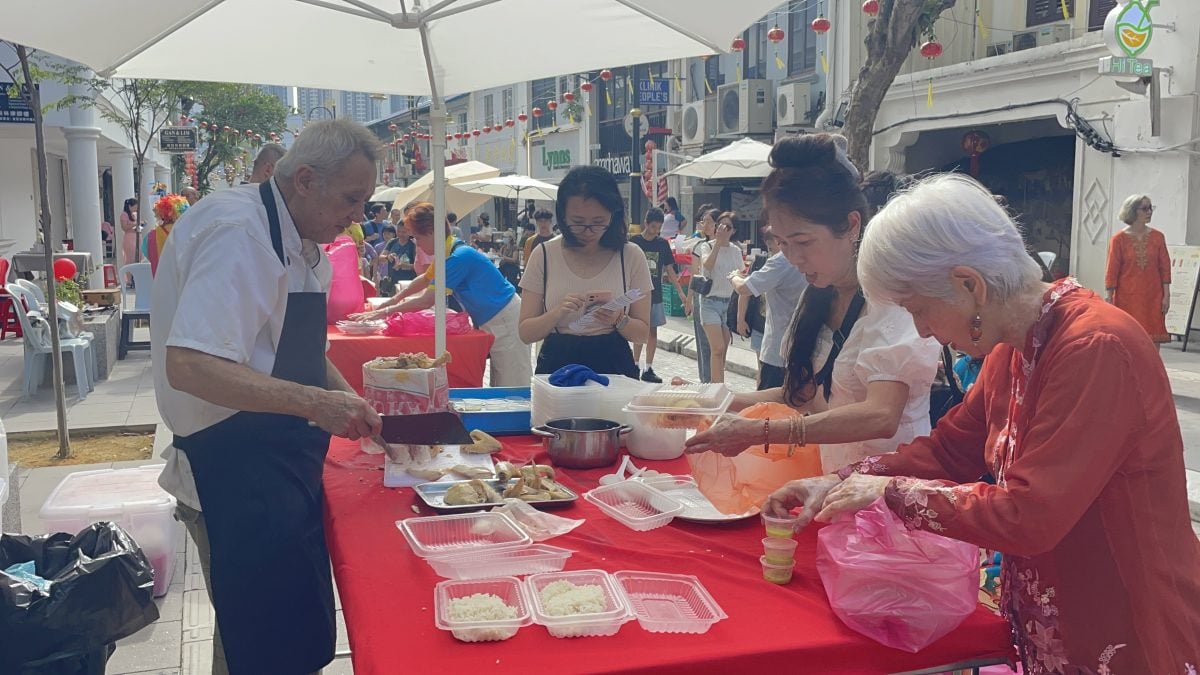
{"type": "Point", "coordinates": [346, 292]}
{"type": "Point", "coordinates": [422, 323]}
{"type": "Point", "coordinates": [905, 589]}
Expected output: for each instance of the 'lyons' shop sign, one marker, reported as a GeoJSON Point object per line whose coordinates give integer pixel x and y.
{"type": "Point", "coordinates": [554, 155]}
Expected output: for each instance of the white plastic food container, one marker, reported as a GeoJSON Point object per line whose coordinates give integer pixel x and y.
{"type": "Point", "coordinates": [515, 562]}
{"type": "Point", "coordinates": [635, 504]}
{"type": "Point", "coordinates": [593, 624]}
{"type": "Point", "coordinates": [130, 498]}
{"type": "Point", "coordinates": [687, 406]}
{"type": "Point", "coordinates": [669, 603]}
{"type": "Point", "coordinates": [548, 402]}
{"type": "Point", "coordinates": [508, 589]}
{"type": "Point", "coordinates": [462, 533]}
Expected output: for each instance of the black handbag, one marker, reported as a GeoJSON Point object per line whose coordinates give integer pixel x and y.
{"type": "Point", "coordinates": [754, 311]}
{"type": "Point", "coordinates": [700, 285]}
{"type": "Point", "coordinates": [943, 397]}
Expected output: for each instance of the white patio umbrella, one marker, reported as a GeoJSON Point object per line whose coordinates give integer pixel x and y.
{"type": "Point", "coordinates": [509, 187]}
{"type": "Point", "coordinates": [422, 189]}
{"type": "Point", "coordinates": [744, 158]}
{"type": "Point", "coordinates": [435, 48]}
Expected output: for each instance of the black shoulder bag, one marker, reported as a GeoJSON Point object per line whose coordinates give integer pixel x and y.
{"type": "Point", "coordinates": [943, 397]}
{"type": "Point", "coordinates": [824, 378]}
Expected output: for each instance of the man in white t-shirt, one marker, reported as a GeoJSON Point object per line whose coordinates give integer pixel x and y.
{"type": "Point", "coordinates": [237, 334]}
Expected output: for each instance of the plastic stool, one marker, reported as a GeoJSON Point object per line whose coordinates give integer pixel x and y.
{"type": "Point", "coordinates": [110, 276]}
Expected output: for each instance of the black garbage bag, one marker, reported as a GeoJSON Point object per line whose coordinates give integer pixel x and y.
{"type": "Point", "coordinates": [101, 591]}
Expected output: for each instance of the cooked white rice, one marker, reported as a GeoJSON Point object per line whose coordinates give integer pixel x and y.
{"type": "Point", "coordinates": [562, 598]}
{"type": "Point", "coordinates": [480, 607]}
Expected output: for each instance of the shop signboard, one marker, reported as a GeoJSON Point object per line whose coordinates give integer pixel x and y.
{"type": "Point", "coordinates": [13, 108]}
{"type": "Point", "coordinates": [177, 139]}
{"type": "Point", "coordinates": [1128, 32]}
{"type": "Point", "coordinates": [1185, 273]}
{"type": "Point", "coordinates": [654, 92]}
{"type": "Point", "coordinates": [617, 165]}
{"type": "Point", "coordinates": [553, 155]}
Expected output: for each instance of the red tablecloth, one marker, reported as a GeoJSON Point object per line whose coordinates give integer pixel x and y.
{"type": "Point", "coordinates": [469, 353]}
{"type": "Point", "coordinates": [387, 594]}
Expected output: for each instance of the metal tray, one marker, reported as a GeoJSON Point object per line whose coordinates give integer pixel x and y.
{"type": "Point", "coordinates": [433, 494]}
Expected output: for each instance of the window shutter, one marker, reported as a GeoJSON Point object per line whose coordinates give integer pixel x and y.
{"type": "Point", "coordinates": [1038, 12]}
{"type": "Point", "coordinates": [1099, 12]}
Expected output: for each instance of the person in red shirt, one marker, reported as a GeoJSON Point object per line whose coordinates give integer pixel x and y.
{"type": "Point", "coordinates": [1073, 419]}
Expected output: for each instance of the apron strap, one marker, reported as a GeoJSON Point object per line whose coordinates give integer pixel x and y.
{"type": "Point", "coordinates": [268, 200]}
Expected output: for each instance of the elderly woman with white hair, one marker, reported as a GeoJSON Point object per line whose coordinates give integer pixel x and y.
{"type": "Point", "coordinates": [1138, 276]}
{"type": "Point", "coordinates": [1072, 416]}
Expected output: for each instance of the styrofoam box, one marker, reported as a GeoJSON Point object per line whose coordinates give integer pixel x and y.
{"type": "Point", "coordinates": [549, 402]}
{"type": "Point", "coordinates": [130, 498]}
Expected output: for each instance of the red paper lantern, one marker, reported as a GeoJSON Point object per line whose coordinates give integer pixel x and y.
{"type": "Point", "coordinates": [498, 127]}
{"type": "Point", "coordinates": [249, 133]}
{"type": "Point", "coordinates": [392, 127]}
{"type": "Point", "coordinates": [568, 97]}
{"type": "Point", "coordinates": [931, 49]}
{"type": "Point", "coordinates": [204, 125]}
{"type": "Point", "coordinates": [537, 112]}
{"type": "Point", "coordinates": [606, 74]}
{"type": "Point", "coordinates": [64, 268]}
{"type": "Point", "coordinates": [871, 7]}
{"type": "Point", "coordinates": [475, 132]}
{"type": "Point", "coordinates": [821, 25]}
{"type": "Point", "coordinates": [509, 123]}
{"type": "Point", "coordinates": [236, 132]}
{"type": "Point", "coordinates": [586, 87]}
{"type": "Point", "coordinates": [487, 129]}
{"type": "Point", "coordinates": [458, 135]}
{"type": "Point", "coordinates": [552, 104]}
{"type": "Point", "coordinates": [226, 129]}
{"type": "Point", "coordinates": [522, 117]}
{"type": "Point", "coordinates": [738, 44]}
{"type": "Point", "coordinates": [775, 35]}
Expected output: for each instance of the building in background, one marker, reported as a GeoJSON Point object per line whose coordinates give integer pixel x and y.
{"type": "Point", "coordinates": [284, 94]}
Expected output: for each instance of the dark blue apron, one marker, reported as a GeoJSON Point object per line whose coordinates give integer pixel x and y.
{"type": "Point", "coordinates": [258, 476]}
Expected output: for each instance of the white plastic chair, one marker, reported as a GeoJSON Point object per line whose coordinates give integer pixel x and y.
{"type": "Point", "coordinates": [143, 278]}
{"type": "Point", "coordinates": [38, 295]}
{"type": "Point", "coordinates": [37, 350]}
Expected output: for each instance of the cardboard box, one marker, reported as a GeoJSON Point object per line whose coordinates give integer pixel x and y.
{"type": "Point", "coordinates": [103, 297]}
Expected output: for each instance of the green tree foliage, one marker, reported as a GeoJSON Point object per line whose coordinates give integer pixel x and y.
{"type": "Point", "coordinates": [240, 108]}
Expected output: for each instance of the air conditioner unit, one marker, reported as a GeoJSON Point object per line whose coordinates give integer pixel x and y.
{"type": "Point", "coordinates": [745, 107]}
{"type": "Point", "coordinates": [791, 104]}
{"type": "Point", "coordinates": [699, 123]}
{"type": "Point", "coordinates": [1053, 34]}
{"type": "Point", "coordinates": [1024, 40]}
{"type": "Point", "coordinates": [999, 48]}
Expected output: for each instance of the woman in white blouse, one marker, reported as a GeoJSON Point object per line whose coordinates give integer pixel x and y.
{"type": "Point", "coordinates": [719, 259]}
{"type": "Point", "coordinates": [874, 394]}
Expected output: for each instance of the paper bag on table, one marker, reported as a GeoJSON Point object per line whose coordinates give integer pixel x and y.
{"type": "Point", "coordinates": [735, 484]}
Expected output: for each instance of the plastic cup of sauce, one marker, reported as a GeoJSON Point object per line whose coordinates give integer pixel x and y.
{"type": "Point", "coordinates": [779, 551]}
{"type": "Point", "coordinates": [783, 528]}
{"type": "Point", "coordinates": [775, 573]}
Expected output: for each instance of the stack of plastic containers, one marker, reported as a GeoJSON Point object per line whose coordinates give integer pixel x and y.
{"type": "Point", "coordinates": [130, 498]}
{"type": "Point", "coordinates": [590, 400]}
{"type": "Point", "coordinates": [635, 504]}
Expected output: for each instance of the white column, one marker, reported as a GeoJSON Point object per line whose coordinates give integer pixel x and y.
{"type": "Point", "coordinates": [83, 165]}
{"type": "Point", "coordinates": [123, 188]}
{"type": "Point", "coordinates": [163, 175]}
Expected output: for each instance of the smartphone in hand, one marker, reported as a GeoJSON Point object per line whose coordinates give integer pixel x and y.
{"type": "Point", "coordinates": [600, 297]}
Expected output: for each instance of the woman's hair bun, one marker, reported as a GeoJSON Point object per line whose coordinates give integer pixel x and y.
{"type": "Point", "coordinates": [808, 150]}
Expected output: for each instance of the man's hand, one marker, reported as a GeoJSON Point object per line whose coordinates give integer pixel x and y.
{"type": "Point", "coordinates": [743, 328]}
{"type": "Point", "coordinates": [344, 414]}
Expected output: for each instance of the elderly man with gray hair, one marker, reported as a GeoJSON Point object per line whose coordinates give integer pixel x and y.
{"type": "Point", "coordinates": [264, 163]}
{"type": "Point", "coordinates": [242, 381]}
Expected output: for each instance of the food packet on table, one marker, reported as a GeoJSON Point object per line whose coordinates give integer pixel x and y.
{"type": "Point", "coordinates": [538, 525]}
{"type": "Point", "coordinates": [405, 384]}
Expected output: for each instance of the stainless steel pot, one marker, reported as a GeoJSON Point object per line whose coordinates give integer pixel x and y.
{"type": "Point", "coordinates": [582, 442]}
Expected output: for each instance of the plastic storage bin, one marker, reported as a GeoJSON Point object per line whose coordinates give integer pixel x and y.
{"type": "Point", "coordinates": [462, 533]}
{"type": "Point", "coordinates": [635, 504]}
{"type": "Point", "coordinates": [535, 559]}
{"type": "Point", "coordinates": [592, 624]}
{"type": "Point", "coordinates": [508, 589]}
{"type": "Point", "coordinates": [495, 422]}
{"type": "Point", "coordinates": [591, 400]}
{"type": "Point", "coordinates": [669, 603]}
{"type": "Point", "coordinates": [130, 498]}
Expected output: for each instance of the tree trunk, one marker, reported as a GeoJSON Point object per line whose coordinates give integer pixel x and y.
{"type": "Point", "coordinates": [890, 39]}
{"type": "Point", "coordinates": [60, 399]}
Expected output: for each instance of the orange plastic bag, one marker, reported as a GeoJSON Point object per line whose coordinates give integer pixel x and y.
{"type": "Point", "coordinates": [735, 485]}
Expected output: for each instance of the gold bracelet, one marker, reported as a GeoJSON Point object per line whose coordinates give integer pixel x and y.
{"type": "Point", "coordinates": [766, 435]}
{"type": "Point", "coordinates": [803, 431]}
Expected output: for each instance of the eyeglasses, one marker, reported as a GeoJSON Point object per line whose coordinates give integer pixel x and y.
{"type": "Point", "coordinates": [1147, 209]}
{"type": "Point", "coordinates": [580, 229]}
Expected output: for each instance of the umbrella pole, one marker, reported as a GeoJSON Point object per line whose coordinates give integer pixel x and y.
{"type": "Point", "coordinates": [437, 148]}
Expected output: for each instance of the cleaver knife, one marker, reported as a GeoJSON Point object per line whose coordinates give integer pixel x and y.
{"type": "Point", "coordinates": [439, 428]}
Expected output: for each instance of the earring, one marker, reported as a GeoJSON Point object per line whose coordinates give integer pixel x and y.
{"type": "Point", "coordinates": [976, 329]}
